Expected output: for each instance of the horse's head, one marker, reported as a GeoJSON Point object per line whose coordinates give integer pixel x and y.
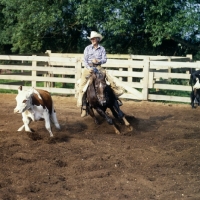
{"type": "Point", "coordinates": [100, 85]}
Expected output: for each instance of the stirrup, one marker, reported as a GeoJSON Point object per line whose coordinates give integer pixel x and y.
{"type": "Point", "coordinates": [119, 102]}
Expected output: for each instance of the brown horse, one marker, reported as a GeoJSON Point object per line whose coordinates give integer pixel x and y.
{"type": "Point", "coordinates": [100, 96]}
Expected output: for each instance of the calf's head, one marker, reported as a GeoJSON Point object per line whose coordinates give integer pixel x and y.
{"type": "Point", "coordinates": [24, 100]}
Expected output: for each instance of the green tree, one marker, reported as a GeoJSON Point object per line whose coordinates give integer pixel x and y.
{"type": "Point", "coordinates": [140, 22]}
{"type": "Point", "coordinates": [169, 27]}
{"type": "Point", "coordinates": [34, 26]}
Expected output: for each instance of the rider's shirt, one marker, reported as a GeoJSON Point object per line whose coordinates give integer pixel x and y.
{"type": "Point", "coordinates": [91, 53]}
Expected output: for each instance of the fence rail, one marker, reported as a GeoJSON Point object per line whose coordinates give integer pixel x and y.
{"type": "Point", "coordinates": [143, 77]}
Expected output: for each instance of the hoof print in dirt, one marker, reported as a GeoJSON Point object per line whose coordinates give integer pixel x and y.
{"type": "Point", "coordinates": [61, 163]}
{"type": "Point", "coordinates": [61, 138]}
{"type": "Point", "coordinates": [34, 136]}
{"type": "Point", "coordinates": [127, 134]}
{"type": "Point", "coordinates": [51, 140]}
{"type": "Point", "coordinates": [33, 188]}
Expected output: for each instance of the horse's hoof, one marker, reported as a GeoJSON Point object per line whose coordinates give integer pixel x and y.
{"type": "Point", "coordinates": [130, 128]}
{"type": "Point", "coordinates": [117, 132]}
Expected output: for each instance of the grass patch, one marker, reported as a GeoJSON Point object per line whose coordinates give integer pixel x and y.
{"type": "Point", "coordinates": [8, 91]}
{"type": "Point", "coordinates": [170, 92]}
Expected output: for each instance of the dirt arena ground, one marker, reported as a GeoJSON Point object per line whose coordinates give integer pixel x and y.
{"type": "Point", "coordinates": [159, 159]}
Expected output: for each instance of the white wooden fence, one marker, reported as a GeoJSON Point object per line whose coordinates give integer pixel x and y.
{"type": "Point", "coordinates": [137, 74]}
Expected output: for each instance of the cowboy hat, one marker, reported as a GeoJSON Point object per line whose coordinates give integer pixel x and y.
{"type": "Point", "coordinates": [94, 34]}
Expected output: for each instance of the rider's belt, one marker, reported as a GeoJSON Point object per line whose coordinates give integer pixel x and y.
{"type": "Point", "coordinates": [94, 65]}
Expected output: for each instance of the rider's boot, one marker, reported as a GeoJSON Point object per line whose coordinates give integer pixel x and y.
{"type": "Point", "coordinates": [83, 113]}
{"type": "Point", "coordinates": [84, 107]}
{"type": "Point", "coordinates": [79, 100]}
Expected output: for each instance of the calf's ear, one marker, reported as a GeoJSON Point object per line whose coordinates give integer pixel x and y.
{"type": "Point", "coordinates": [20, 88]}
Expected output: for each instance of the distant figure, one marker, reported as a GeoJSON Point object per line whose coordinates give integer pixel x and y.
{"type": "Point", "coordinates": [195, 94]}
{"type": "Point", "coordinates": [194, 79]}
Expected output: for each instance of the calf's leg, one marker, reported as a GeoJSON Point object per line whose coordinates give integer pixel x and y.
{"type": "Point", "coordinates": [21, 128]}
{"type": "Point", "coordinates": [47, 122]}
{"type": "Point", "coordinates": [54, 119]}
{"type": "Point", "coordinates": [26, 120]}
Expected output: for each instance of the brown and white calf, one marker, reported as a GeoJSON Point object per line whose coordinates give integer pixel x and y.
{"type": "Point", "coordinates": [34, 105]}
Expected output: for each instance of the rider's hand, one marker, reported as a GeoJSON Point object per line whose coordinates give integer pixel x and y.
{"type": "Point", "coordinates": [95, 61]}
{"type": "Point", "coordinates": [91, 70]}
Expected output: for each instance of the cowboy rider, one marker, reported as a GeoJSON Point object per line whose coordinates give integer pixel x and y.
{"type": "Point", "coordinates": [94, 57]}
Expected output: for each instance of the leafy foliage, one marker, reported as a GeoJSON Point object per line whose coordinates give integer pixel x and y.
{"type": "Point", "coordinates": [34, 26]}
{"type": "Point", "coordinates": [169, 27]}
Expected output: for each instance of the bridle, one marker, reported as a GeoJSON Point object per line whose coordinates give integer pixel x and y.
{"type": "Point", "coordinates": [97, 94]}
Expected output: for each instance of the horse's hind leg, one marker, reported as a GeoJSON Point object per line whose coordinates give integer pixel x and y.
{"type": "Point", "coordinates": [91, 113]}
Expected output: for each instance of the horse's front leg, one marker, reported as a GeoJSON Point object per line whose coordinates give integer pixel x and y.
{"type": "Point", "coordinates": [127, 124]}
{"type": "Point", "coordinates": [108, 119]}
{"type": "Point", "coordinates": [91, 113]}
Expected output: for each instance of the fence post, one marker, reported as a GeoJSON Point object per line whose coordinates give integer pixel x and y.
{"type": "Point", "coordinates": [48, 52]}
{"type": "Point", "coordinates": [34, 73]}
{"type": "Point", "coordinates": [130, 70]}
{"type": "Point", "coordinates": [169, 69]}
{"type": "Point", "coordinates": [190, 57]}
{"type": "Point", "coordinates": [48, 73]}
{"type": "Point", "coordinates": [78, 69]}
{"type": "Point", "coordinates": [145, 90]}
{"type": "Point", "coordinates": [120, 78]}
